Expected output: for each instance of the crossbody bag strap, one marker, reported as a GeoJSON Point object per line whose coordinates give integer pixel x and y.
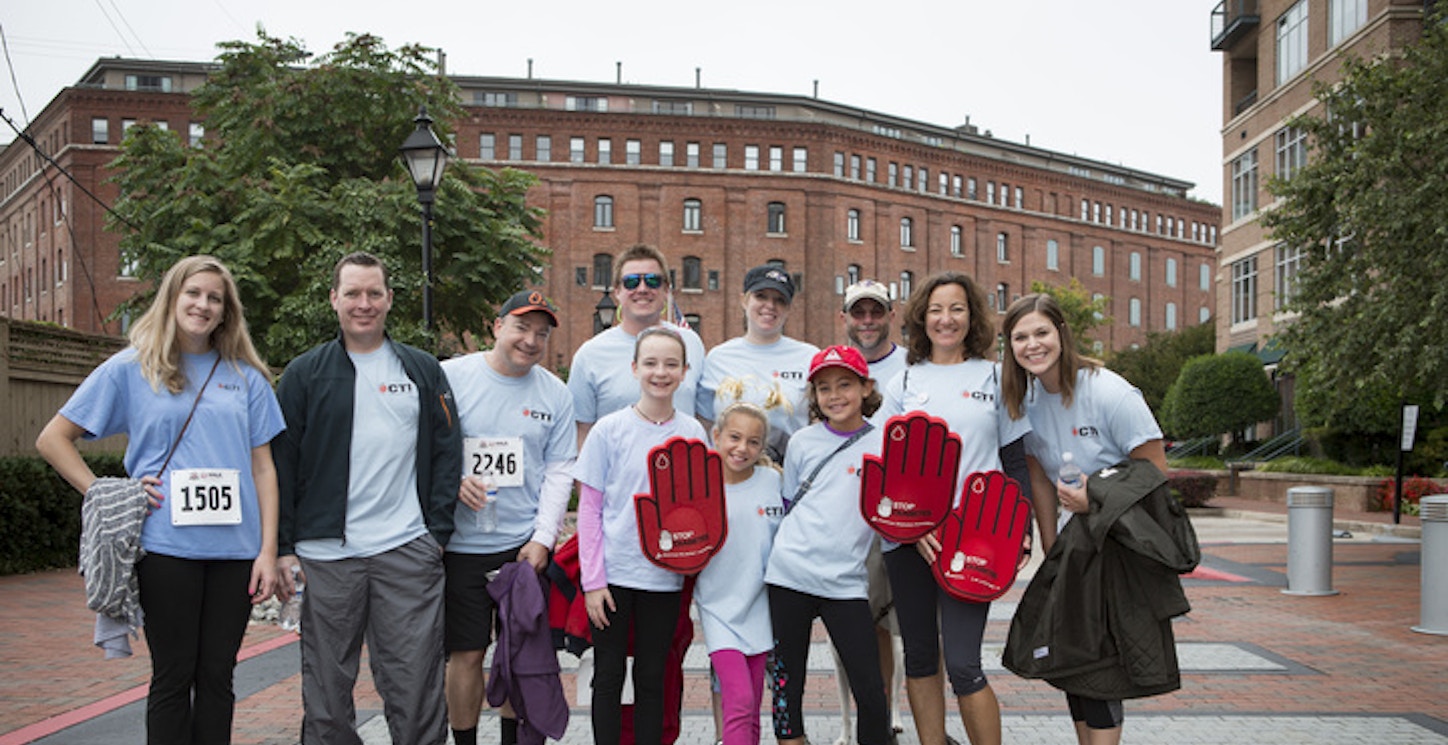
{"type": "Point", "coordinates": [805, 485]}
{"type": "Point", "coordinates": [189, 415]}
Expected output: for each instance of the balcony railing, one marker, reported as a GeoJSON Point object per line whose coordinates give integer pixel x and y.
{"type": "Point", "coordinates": [1231, 20]}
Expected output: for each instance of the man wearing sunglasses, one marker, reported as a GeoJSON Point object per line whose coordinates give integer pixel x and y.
{"type": "Point", "coordinates": [868, 316]}
{"type": "Point", "coordinates": [600, 377]}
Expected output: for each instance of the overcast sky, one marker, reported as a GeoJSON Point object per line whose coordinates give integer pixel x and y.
{"type": "Point", "coordinates": [1132, 82]}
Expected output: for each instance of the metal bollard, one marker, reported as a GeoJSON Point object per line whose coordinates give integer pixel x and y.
{"type": "Point", "coordinates": [1433, 603]}
{"type": "Point", "coordinates": [1309, 541]}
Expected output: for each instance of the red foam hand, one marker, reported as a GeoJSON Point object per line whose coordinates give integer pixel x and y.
{"type": "Point", "coordinates": [981, 539]}
{"type": "Point", "coordinates": [906, 491]}
{"type": "Point", "coordinates": [682, 520]}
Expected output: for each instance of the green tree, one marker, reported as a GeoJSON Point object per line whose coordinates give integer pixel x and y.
{"type": "Point", "coordinates": [1083, 314]}
{"type": "Point", "coordinates": [1370, 210]}
{"type": "Point", "coordinates": [300, 166]}
{"type": "Point", "coordinates": [1155, 365]}
{"type": "Point", "coordinates": [1219, 394]}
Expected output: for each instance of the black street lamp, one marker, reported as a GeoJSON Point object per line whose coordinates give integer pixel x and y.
{"type": "Point", "coordinates": [603, 313]}
{"type": "Point", "coordinates": [426, 158]}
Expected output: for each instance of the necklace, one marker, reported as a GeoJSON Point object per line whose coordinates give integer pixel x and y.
{"type": "Point", "coordinates": [651, 420]}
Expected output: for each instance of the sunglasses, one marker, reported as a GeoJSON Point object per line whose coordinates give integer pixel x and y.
{"type": "Point", "coordinates": [654, 281]}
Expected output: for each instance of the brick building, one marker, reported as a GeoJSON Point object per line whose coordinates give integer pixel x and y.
{"type": "Point", "coordinates": [1273, 52]}
{"type": "Point", "coordinates": [720, 180]}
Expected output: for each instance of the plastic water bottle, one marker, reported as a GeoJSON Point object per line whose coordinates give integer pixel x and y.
{"type": "Point", "coordinates": [488, 513]}
{"type": "Point", "coordinates": [1070, 474]}
{"type": "Point", "coordinates": [290, 617]}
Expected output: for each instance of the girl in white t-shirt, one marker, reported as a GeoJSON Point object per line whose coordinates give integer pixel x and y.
{"type": "Point", "coordinates": [730, 594]}
{"type": "Point", "coordinates": [621, 587]}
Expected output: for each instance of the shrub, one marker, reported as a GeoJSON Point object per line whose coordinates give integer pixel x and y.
{"type": "Point", "coordinates": [1303, 464]}
{"type": "Point", "coordinates": [40, 513]}
{"type": "Point", "coordinates": [1192, 488]}
{"type": "Point", "coordinates": [1199, 462]}
{"type": "Point", "coordinates": [1217, 394]}
{"type": "Point", "coordinates": [1414, 489]}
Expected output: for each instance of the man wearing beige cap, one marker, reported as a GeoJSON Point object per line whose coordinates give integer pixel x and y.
{"type": "Point", "coordinates": [868, 316]}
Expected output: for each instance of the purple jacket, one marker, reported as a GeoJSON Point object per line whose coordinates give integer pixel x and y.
{"type": "Point", "coordinates": [525, 667]}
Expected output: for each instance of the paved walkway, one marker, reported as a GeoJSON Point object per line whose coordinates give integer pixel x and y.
{"type": "Point", "coordinates": [1259, 666]}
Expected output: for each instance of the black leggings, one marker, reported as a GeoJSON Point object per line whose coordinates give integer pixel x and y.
{"type": "Point", "coordinates": [1097, 714]}
{"type": "Point", "coordinates": [653, 616]}
{"type": "Point", "coordinates": [852, 631]}
{"type": "Point", "coordinates": [961, 625]}
{"type": "Point", "coordinates": [196, 615]}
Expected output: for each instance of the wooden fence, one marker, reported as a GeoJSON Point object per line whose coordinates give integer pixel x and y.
{"type": "Point", "coordinates": [40, 366]}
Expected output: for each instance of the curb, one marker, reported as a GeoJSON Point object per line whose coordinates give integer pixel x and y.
{"type": "Point", "coordinates": [1356, 526]}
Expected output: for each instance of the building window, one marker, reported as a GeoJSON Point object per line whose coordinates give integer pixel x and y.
{"type": "Point", "coordinates": [666, 153]}
{"type": "Point", "coordinates": [1085, 209]}
{"type": "Point", "coordinates": [515, 147]}
{"type": "Point", "coordinates": [839, 165]}
{"type": "Point", "coordinates": [1002, 296]}
{"type": "Point", "coordinates": [852, 274]}
{"type": "Point", "coordinates": [990, 192]}
{"type": "Point", "coordinates": [1135, 220]}
{"type": "Point", "coordinates": [1098, 261]}
{"type": "Point", "coordinates": [153, 83]}
{"type": "Point", "coordinates": [633, 152]}
{"type": "Point", "coordinates": [1291, 42]}
{"type": "Point", "coordinates": [855, 167]}
{"type": "Point", "coordinates": [776, 158]}
{"type": "Point", "coordinates": [1291, 151]}
{"type": "Point", "coordinates": [693, 271]}
{"type": "Point", "coordinates": [1096, 212]}
{"type": "Point", "coordinates": [751, 157]}
{"type": "Point", "coordinates": [870, 170]}
{"type": "Point", "coordinates": [1171, 272]}
{"type": "Point", "coordinates": [955, 186]}
{"type": "Point", "coordinates": [1289, 261]}
{"type": "Point", "coordinates": [714, 279]}
{"type": "Point", "coordinates": [693, 215]}
{"type": "Point", "coordinates": [126, 125]}
{"type": "Point", "coordinates": [195, 133]}
{"type": "Point", "coordinates": [487, 146]}
{"type": "Point", "coordinates": [721, 155]}
{"type": "Point", "coordinates": [907, 177]}
{"type": "Point", "coordinates": [970, 192]}
{"type": "Point", "coordinates": [907, 233]}
{"type": "Point", "coordinates": [1020, 198]}
{"type": "Point", "coordinates": [957, 240]}
{"type": "Point", "coordinates": [1171, 316]}
{"type": "Point", "coordinates": [1203, 314]}
{"type": "Point", "coordinates": [576, 149]}
{"type": "Point", "coordinates": [1108, 214]}
{"type": "Point", "coordinates": [923, 182]}
{"type": "Point", "coordinates": [602, 270]}
{"type": "Point", "coordinates": [605, 150]}
{"type": "Point", "coordinates": [691, 154]}
{"type": "Point", "coordinates": [1158, 224]}
{"type": "Point", "coordinates": [1244, 184]}
{"type": "Point", "coordinates": [1134, 270]}
{"type": "Point", "coordinates": [1003, 251]}
{"type": "Point", "coordinates": [1133, 312]}
{"type": "Point", "coordinates": [1343, 18]}
{"type": "Point", "coordinates": [580, 276]}
{"type": "Point", "coordinates": [753, 112]}
{"type": "Point", "coordinates": [543, 148]}
{"type": "Point", "coordinates": [907, 283]}
{"type": "Point", "coordinates": [775, 224]}
{"type": "Point", "coordinates": [484, 98]}
{"type": "Point", "coordinates": [1053, 255]}
{"type": "Point", "coordinates": [1123, 212]}
{"type": "Point", "coordinates": [1244, 290]}
{"type": "Point", "coordinates": [801, 160]}
{"type": "Point", "coordinates": [892, 174]}
{"type": "Point", "coordinates": [100, 130]}
{"type": "Point", "coordinates": [852, 226]}
{"type": "Point", "coordinates": [603, 212]}
{"type": "Point", "coordinates": [585, 103]}
{"type": "Point", "coordinates": [674, 107]}
{"type": "Point", "coordinates": [1204, 278]}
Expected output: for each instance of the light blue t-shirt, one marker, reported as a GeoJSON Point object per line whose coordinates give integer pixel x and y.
{"type": "Point", "coordinates": [822, 543]}
{"type": "Point", "coordinates": [601, 376]}
{"type": "Point", "coordinates": [885, 369]}
{"type": "Point", "coordinates": [238, 412]}
{"type": "Point", "coordinates": [730, 593]}
{"type": "Point", "coordinates": [537, 408]}
{"type": "Point", "coordinates": [614, 460]}
{"type": "Point", "coordinates": [1108, 419]}
{"type": "Point", "coordinates": [382, 508]}
{"type": "Point", "coordinates": [759, 370]}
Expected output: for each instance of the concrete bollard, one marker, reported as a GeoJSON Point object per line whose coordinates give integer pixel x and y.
{"type": "Point", "coordinates": [1433, 602]}
{"type": "Point", "coordinates": [1309, 541]}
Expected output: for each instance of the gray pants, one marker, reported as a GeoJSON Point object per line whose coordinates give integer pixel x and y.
{"type": "Point", "coordinates": [395, 599]}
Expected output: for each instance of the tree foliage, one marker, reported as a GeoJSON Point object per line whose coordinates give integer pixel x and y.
{"type": "Point", "coordinates": [1371, 211]}
{"type": "Point", "coordinates": [1083, 314]}
{"type": "Point", "coordinates": [1155, 365]}
{"type": "Point", "coordinates": [1219, 394]}
{"type": "Point", "coordinates": [300, 166]}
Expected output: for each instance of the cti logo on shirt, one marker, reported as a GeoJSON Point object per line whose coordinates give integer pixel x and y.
{"type": "Point", "coordinates": [395, 388]}
{"type": "Point", "coordinates": [541, 416]}
{"type": "Point", "coordinates": [772, 511]}
{"type": "Point", "coordinates": [985, 396]}
{"type": "Point", "coordinates": [229, 386]}
{"type": "Point", "coordinates": [789, 374]}
{"type": "Point", "coordinates": [1086, 431]}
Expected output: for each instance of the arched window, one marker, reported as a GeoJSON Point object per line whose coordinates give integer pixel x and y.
{"type": "Point", "coordinates": [1002, 296]}
{"type": "Point", "coordinates": [907, 233]}
{"type": "Point", "coordinates": [693, 273]}
{"type": "Point", "coordinates": [693, 215]}
{"type": "Point", "coordinates": [1171, 317]}
{"type": "Point", "coordinates": [852, 226]}
{"type": "Point", "coordinates": [602, 211]}
{"type": "Point", "coordinates": [1098, 260]}
{"type": "Point", "coordinates": [776, 218]}
{"type": "Point", "coordinates": [1135, 268]}
{"type": "Point", "coordinates": [1053, 255]}
{"type": "Point", "coordinates": [1133, 313]}
{"type": "Point", "coordinates": [957, 241]}
{"type": "Point", "coordinates": [602, 270]}
{"type": "Point", "coordinates": [1003, 248]}
{"type": "Point", "coordinates": [907, 283]}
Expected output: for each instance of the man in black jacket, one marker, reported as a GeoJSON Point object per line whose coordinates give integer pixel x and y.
{"type": "Point", "coordinates": [369, 469]}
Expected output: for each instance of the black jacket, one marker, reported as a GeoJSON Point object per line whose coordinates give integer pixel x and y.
{"type": "Point", "coordinates": [1096, 619]}
{"type": "Point", "coordinates": [313, 455]}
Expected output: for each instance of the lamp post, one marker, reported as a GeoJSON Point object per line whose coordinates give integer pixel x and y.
{"type": "Point", "coordinates": [603, 313]}
{"type": "Point", "coordinates": [426, 158]}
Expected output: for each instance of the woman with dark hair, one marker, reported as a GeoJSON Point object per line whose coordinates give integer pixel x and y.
{"type": "Point", "coordinates": [1079, 410]}
{"type": "Point", "coordinates": [949, 375]}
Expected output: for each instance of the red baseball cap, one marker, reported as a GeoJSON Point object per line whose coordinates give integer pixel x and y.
{"type": "Point", "coordinates": [839, 356]}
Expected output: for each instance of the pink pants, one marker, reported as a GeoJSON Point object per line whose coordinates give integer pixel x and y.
{"type": "Point", "coordinates": [741, 688]}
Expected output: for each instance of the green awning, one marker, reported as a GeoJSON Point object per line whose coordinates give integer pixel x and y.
{"type": "Point", "coordinates": [1250, 348]}
{"type": "Point", "coordinates": [1272, 352]}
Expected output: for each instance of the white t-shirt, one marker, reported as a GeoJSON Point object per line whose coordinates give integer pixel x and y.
{"type": "Point", "coordinates": [822, 543]}
{"type": "Point", "coordinates": [1108, 419]}
{"type": "Point", "coordinates": [601, 377]}
{"type": "Point", "coordinates": [885, 369]}
{"type": "Point", "coordinates": [614, 460]}
{"type": "Point", "coordinates": [730, 593]}
{"type": "Point", "coordinates": [382, 508]}
{"type": "Point", "coordinates": [536, 408]}
{"type": "Point", "coordinates": [759, 369]}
